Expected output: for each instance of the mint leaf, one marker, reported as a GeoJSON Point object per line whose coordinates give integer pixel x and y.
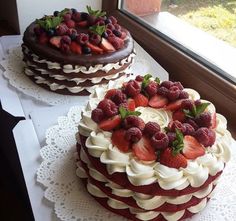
{"type": "Point", "coordinates": [146, 80]}
{"type": "Point", "coordinates": [178, 144]}
{"type": "Point", "coordinates": [97, 29]}
{"type": "Point", "coordinates": [49, 22]}
{"type": "Point", "coordinates": [125, 113]}
{"type": "Point", "coordinates": [188, 113]}
{"type": "Point", "coordinates": [201, 108]}
{"type": "Point", "coordinates": [96, 13]}
{"type": "Point", "coordinates": [158, 80]}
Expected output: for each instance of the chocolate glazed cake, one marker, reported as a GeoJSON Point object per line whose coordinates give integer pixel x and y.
{"type": "Point", "coordinates": [72, 52]}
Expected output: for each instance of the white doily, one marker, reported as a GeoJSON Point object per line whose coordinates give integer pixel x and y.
{"type": "Point", "coordinates": [57, 173]}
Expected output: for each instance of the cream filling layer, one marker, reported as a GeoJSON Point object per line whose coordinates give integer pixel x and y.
{"type": "Point", "coordinates": [68, 68]}
{"type": "Point", "coordinates": [138, 173]}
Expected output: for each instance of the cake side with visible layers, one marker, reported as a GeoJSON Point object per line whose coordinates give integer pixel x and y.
{"type": "Point", "coordinates": [151, 153]}
{"type": "Point", "coordinates": [78, 52]}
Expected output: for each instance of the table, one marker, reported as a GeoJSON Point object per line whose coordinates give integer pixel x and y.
{"type": "Point", "coordinates": [29, 133]}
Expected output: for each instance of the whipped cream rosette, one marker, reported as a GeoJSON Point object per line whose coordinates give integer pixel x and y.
{"type": "Point", "coordinates": [151, 150]}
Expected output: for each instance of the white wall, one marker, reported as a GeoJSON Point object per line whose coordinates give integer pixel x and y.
{"type": "Point", "coordinates": [29, 10]}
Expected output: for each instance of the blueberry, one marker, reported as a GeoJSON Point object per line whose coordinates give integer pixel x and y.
{"type": "Point", "coordinates": [51, 32]}
{"type": "Point", "coordinates": [73, 36]}
{"type": "Point", "coordinates": [56, 13]}
{"type": "Point", "coordinates": [73, 10]}
{"type": "Point", "coordinates": [84, 15]}
{"type": "Point", "coordinates": [108, 21]}
{"type": "Point", "coordinates": [104, 35]}
{"type": "Point", "coordinates": [117, 33]}
{"type": "Point", "coordinates": [86, 50]}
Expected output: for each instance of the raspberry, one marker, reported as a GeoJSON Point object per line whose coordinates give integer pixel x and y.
{"type": "Point", "coordinates": [76, 16]}
{"type": "Point", "coordinates": [124, 105]}
{"type": "Point", "coordinates": [116, 42]}
{"type": "Point", "coordinates": [132, 88]}
{"type": "Point", "coordinates": [82, 38]}
{"type": "Point", "coordinates": [159, 140]}
{"type": "Point", "coordinates": [197, 102]}
{"type": "Point", "coordinates": [192, 123]}
{"type": "Point", "coordinates": [97, 115]}
{"type": "Point", "coordinates": [173, 93]}
{"type": "Point", "coordinates": [162, 91]}
{"type": "Point", "coordinates": [183, 95]}
{"type": "Point", "coordinates": [134, 121]}
{"type": "Point", "coordinates": [189, 129]}
{"type": "Point", "coordinates": [179, 85]}
{"type": "Point", "coordinates": [67, 17]}
{"type": "Point", "coordinates": [133, 134]}
{"type": "Point", "coordinates": [151, 128]}
{"type": "Point", "coordinates": [166, 84]}
{"type": "Point", "coordinates": [72, 33]}
{"type": "Point", "coordinates": [109, 107]}
{"type": "Point", "coordinates": [187, 104]}
{"type": "Point", "coordinates": [65, 39]}
{"type": "Point", "coordinates": [109, 33]}
{"type": "Point", "coordinates": [95, 39]}
{"type": "Point", "coordinates": [205, 136]}
{"type": "Point", "coordinates": [110, 27]}
{"type": "Point", "coordinates": [117, 27]}
{"type": "Point", "coordinates": [65, 48]}
{"type": "Point", "coordinates": [61, 30]}
{"type": "Point", "coordinates": [139, 78]}
{"type": "Point", "coordinates": [151, 88]}
{"type": "Point", "coordinates": [171, 136]}
{"type": "Point", "coordinates": [113, 20]}
{"type": "Point", "coordinates": [176, 125]}
{"type": "Point", "coordinates": [203, 119]}
{"type": "Point", "coordinates": [119, 97]}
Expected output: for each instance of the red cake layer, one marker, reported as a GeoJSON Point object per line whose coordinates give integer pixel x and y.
{"type": "Point", "coordinates": [152, 189]}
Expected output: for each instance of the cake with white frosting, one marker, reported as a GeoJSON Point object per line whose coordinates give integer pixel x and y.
{"type": "Point", "coordinates": [72, 52]}
{"type": "Point", "coordinates": [151, 150]}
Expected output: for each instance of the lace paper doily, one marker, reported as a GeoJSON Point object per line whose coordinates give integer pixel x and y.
{"type": "Point", "coordinates": [71, 201]}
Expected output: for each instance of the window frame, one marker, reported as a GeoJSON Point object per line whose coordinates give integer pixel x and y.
{"type": "Point", "coordinates": [191, 73]}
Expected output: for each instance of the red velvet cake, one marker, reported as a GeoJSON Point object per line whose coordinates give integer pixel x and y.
{"type": "Point", "coordinates": [151, 150]}
{"type": "Point", "coordinates": [72, 52]}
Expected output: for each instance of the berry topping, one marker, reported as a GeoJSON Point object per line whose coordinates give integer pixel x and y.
{"type": "Point", "coordinates": [171, 136]}
{"type": "Point", "coordinates": [51, 32]}
{"type": "Point", "coordinates": [82, 38]}
{"type": "Point", "coordinates": [72, 33]}
{"type": "Point", "coordinates": [189, 129]}
{"type": "Point", "coordinates": [109, 107]}
{"type": "Point", "coordinates": [86, 50]}
{"type": "Point", "coordinates": [131, 104]}
{"type": "Point", "coordinates": [204, 119]}
{"type": "Point", "coordinates": [205, 136]}
{"type": "Point", "coordinates": [95, 48]}
{"type": "Point", "coordinates": [76, 17]}
{"type": "Point", "coordinates": [197, 102]}
{"type": "Point", "coordinates": [151, 128]}
{"type": "Point", "coordinates": [143, 150]}
{"type": "Point", "coordinates": [173, 93]}
{"type": "Point", "coordinates": [113, 20]}
{"type": "Point", "coordinates": [159, 140]}
{"type": "Point", "coordinates": [70, 24]}
{"type": "Point", "coordinates": [67, 17]}
{"type": "Point", "coordinates": [139, 78]}
{"type": "Point", "coordinates": [140, 100]}
{"type": "Point", "coordinates": [117, 27]}
{"type": "Point", "coordinates": [192, 123]}
{"type": "Point", "coordinates": [178, 84]}
{"type": "Point", "coordinates": [183, 95]}
{"type": "Point", "coordinates": [187, 104]}
{"type": "Point", "coordinates": [132, 88]}
{"type": "Point", "coordinates": [75, 48]}
{"type": "Point", "coordinates": [65, 48]}
{"type": "Point", "coordinates": [110, 26]}
{"type": "Point", "coordinates": [108, 21]}
{"type": "Point", "coordinates": [106, 45]}
{"type": "Point", "coordinates": [179, 115]}
{"type": "Point", "coordinates": [133, 121]}
{"type": "Point", "coordinates": [82, 24]}
{"type": "Point", "coordinates": [61, 29]}
{"type": "Point", "coordinates": [133, 134]}
{"type": "Point", "coordinates": [173, 125]}
{"type": "Point", "coordinates": [119, 97]}
{"type": "Point", "coordinates": [116, 42]}
{"type": "Point", "coordinates": [174, 105]}
{"type": "Point", "coordinates": [65, 39]}
{"type": "Point", "coordinates": [166, 84]}
{"type": "Point", "coordinates": [116, 33]}
{"type": "Point", "coordinates": [151, 88]}
{"type": "Point", "coordinates": [110, 93]}
{"type": "Point", "coordinates": [158, 101]}
{"type": "Point", "coordinates": [118, 140]}
{"type": "Point", "coordinates": [169, 159]}
{"type": "Point", "coordinates": [110, 123]}
{"type": "Point", "coordinates": [95, 39]}
{"type": "Point", "coordinates": [163, 91]}
{"type": "Point", "coordinates": [192, 148]}
{"type": "Point", "coordinates": [97, 115]}
{"type": "Point", "coordinates": [84, 15]}
{"type": "Point", "coordinates": [56, 41]}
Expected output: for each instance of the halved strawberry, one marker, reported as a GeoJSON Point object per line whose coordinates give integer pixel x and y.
{"type": "Point", "coordinates": [131, 104]}
{"type": "Point", "coordinates": [173, 106]}
{"type": "Point", "coordinates": [158, 101]}
{"type": "Point", "coordinates": [106, 45]}
{"type": "Point", "coordinates": [192, 148]}
{"type": "Point", "coordinates": [110, 123]}
{"type": "Point", "coordinates": [179, 115]}
{"type": "Point", "coordinates": [82, 24]}
{"type": "Point", "coordinates": [95, 48]}
{"type": "Point", "coordinates": [143, 150]}
{"type": "Point", "coordinates": [140, 100]}
{"type": "Point", "coordinates": [110, 93]}
{"type": "Point", "coordinates": [118, 140]}
{"type": "Point", "coordinates": [167, 158]}
{"type": "Point", "coordinates": [56, 41]}
{"type": "Point", "coordinates": [75, 48]}
{"type": "Point", "coordinates": [213, 120]}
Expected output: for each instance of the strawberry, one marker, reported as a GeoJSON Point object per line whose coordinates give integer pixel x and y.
{"type": "Point", "coordinates": [75, 48]}
{"type": "Point", "coordinates": [43, 39]}
{"type": "Point", "coordinates": [118, 140]}
{"type": "Point", "coordinates": [123, 35]}
{"type": "Point", "coordinates": [70, 24]}
{"type": "Point", "coordinates": [173, 106]}
{"type": "Point", "coordinates": [158, 101]}
{"type": "Point", "coordinates": [131, 104]}
{"type": "Point", "coordinates": [140, 100]}
{"type": "Point", "coordinates": [110, 93]}
{"type": "Point", "coordinates": [192, 148]}
{"type": "Point", "coordinates": [82, 24]}
{"type": "Point", "coordinates": [95, 48]}
{"type": "Point", "coordinates": [106, 45]}
{"type": "Point", "coordinates": [213, 121]}
{"type": "Point", "coordinates": [143, 150]}
{"type": "Point", "coordinates": [167, 158]}
{"type": "Point", "coordinates": [179, 115]}
{"type": "Point", "coordinates": [110, 123]}
{"type": "Point", "coordinates": [56, 41]}
{"type": "Point", "coordinates": [116, 42]}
